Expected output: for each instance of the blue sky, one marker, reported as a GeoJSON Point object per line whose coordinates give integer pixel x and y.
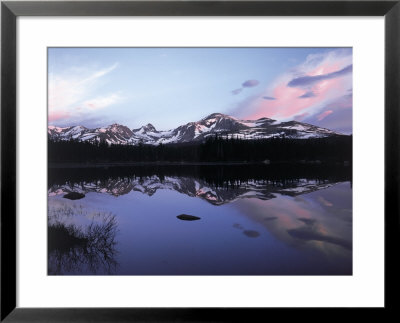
{"type": "Point", "coordinates": [168, 87]}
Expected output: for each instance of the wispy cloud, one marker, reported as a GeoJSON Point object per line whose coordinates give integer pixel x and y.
{"type": "Point", "coordinates": [97, 74]}
{"type": "Point", "coordinates": [268, 98]}
{"type": "Point", "coordinates": [324, 114]}
{"type": "Point", "coordinates": [306, 81]}
{"type": "Point", "coordinates": [237, 91]}
{"type": "Point", "coordinates": [246, 84]}
{"type": "Point", "coordinates": [58, 115]}
{"type": "Point", "coordinates": [250, 83]}
{"type": "Point", "coordinates": [301, 117]}
{"type": "Point", "coordinates": [340, 120]}
{"type": "Point", "coordinates": [101, 102]}
{"type": "Point", "coordinates": [74, 93]}
{"type": "Point", "coordinates": [317, 85]}
{"type": "Point", "coordinates": [309, 94]}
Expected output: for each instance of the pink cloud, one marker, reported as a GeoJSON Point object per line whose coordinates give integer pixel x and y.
{"type": "Point", "coordinates": [57, 115]}
{"type": "Point", "coordinates": [324, 114]}
{"type": "Point", "coordinates": [101, 102]}
{"type": "Point", "coordinates": [288, 104]}
{"type": "Point", "coordinates": [344, 102]}
{"type": "Point", "coordinates": [75, 93]}
{"type": "Point", "coordinates": [301, 117]}
{"type": "Point", "coordinates": [290, 101]}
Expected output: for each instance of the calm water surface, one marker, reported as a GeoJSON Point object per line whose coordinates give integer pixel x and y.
{"type": "Point", "coordinates": [260, 220]}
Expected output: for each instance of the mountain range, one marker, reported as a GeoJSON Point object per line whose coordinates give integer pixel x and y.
{"type": "Point", "coordinates": [215, 124]}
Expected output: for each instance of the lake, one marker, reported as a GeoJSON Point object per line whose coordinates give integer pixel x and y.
{"type": "Point", "coordinates": [200, 220]}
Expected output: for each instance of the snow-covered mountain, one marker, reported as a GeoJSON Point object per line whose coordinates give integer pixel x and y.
{"type": "Point", "coordinates": [115, 133]}
{"type": "Point", "coordinates": [216, 123]}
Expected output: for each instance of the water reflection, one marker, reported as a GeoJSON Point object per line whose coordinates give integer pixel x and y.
{"type": "Point", "coordinates": [216, 185]}
{"type": "Point", "coordinates": [80, 241]}
{"type": "Point", "coordinates": [320, 220]}
{"type": "Point", "coordinates": [256, 220]}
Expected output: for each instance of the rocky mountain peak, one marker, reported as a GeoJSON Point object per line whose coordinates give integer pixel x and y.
{"type": "Point", "coordinates": [222, 125]}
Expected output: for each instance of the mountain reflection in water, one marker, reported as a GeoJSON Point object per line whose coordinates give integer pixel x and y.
{"type": "Point", "coordinates": [262, 220]}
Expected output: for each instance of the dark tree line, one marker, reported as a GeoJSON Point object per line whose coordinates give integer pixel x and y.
{"type": "Point", "coordinates": [331, 149]}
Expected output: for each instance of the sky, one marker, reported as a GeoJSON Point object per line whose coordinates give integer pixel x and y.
{"type": "Point", "coordinates": [168, 87]}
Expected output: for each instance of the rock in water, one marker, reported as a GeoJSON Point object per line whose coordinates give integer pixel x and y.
{"type": "Point", "coordinates": [187, 217]}
{"type": "Point", "coordinates": [74, 196]}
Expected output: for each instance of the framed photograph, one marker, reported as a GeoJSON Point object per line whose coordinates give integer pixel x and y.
{"type": "Point", "coordinates": [182, 160]}
{"type": "Point", "coordinates": [200, 192]}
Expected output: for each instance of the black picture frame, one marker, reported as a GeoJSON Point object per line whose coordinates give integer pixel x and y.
{"type": "Point", "coordinates": [10, 10]}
